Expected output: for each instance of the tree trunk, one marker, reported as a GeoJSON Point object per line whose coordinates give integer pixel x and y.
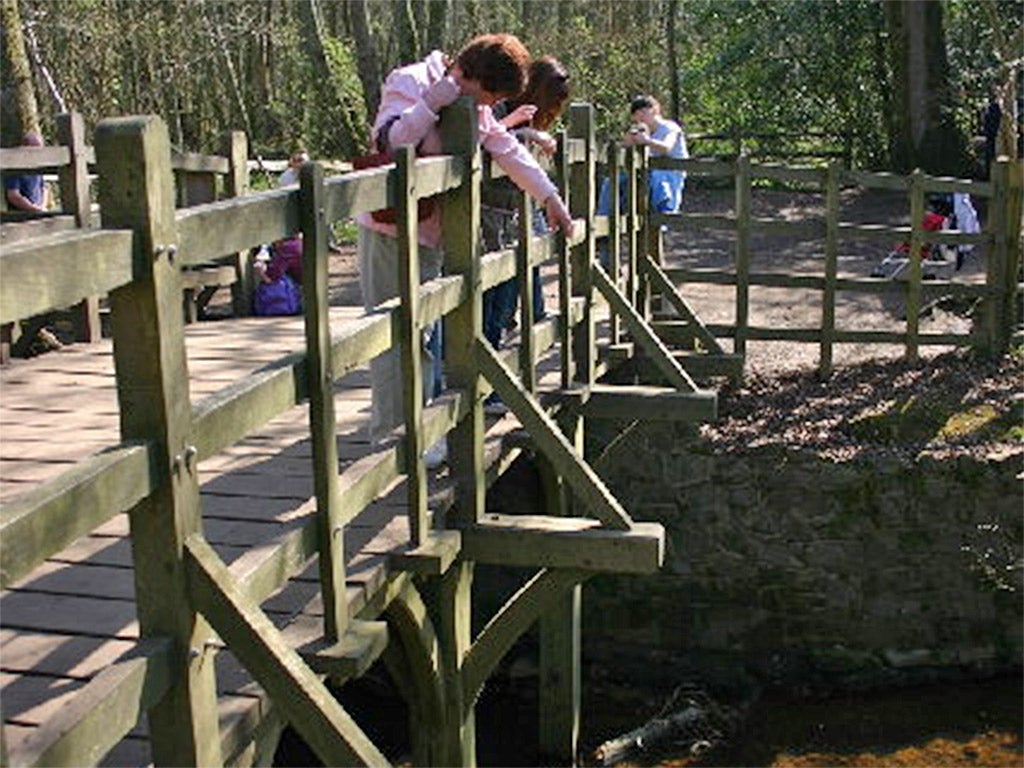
{"type": "Point", "coordinates": [405, 28]}
{"type": "Point", "coordinates": [21, 113]}
{"type": "Point", "coordinates": [367, 63]}
{"type": "Point", "coordinates": [673, 58]}
{"type": "Point", "coordinates": [926, 133]}
{"type": "Point", "coordinates": [313, 43]}
{"type": "Point", "coordinates": [437, 24]}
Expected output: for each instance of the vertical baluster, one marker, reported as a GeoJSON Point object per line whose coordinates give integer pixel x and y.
{"type": "Point", "coordinates": [322, 420]}
{"type": "Point", "coordinates": [137, 192]}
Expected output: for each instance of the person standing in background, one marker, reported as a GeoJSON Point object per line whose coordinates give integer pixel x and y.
{"type": "Point", "coordinates": [27, 191]}
{"type": "Point", "coordinates": [991, 117]}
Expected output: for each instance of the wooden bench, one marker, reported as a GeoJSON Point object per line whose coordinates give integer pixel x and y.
{"type": "Point", "coordinates": [200, 283]}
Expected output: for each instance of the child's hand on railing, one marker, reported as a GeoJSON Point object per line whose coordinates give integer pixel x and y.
{"type": "Point", "coordinates": [557, 214]}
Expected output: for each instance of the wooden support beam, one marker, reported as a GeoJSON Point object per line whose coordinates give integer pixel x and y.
{"type": "Point", "coordinates": [661, 284]}
{"type": "Point", "coordinates": [642, 333]}
{"type": "Point", "coordinates": [414, 661]}
{"type": "Point", "coordinates": [434, 555]}
{"type": "Point", "coordinates": [256, 642]}
{"type": "Point", "coordinates": [649, 403]}
{"type": "Point", "coordinates": [516, 616]}
{"type": "Point", "coordinates": [564, 542]}
{"type": "Point", "coordinates": [351, 656]}
{"type": "Point", "coordinates": [92, 723]}
{"type": "Point", "coordinates": [551, 442]}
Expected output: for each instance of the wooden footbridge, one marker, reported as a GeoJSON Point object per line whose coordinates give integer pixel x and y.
{"type": "Point", "coordinates": [196, 533]}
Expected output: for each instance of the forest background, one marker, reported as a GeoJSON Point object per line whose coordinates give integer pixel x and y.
{"type": "Point", "coordinates": [908, 80]}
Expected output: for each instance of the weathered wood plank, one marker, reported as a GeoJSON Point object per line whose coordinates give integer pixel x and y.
{"type": "Point", "coordinates": [55, 272]}
{"type": "Point", "coordinates": [564, 542]}
{"type": "Point", "coordinates": [94, 721]}
{"type": "Point", "coordinates": [44, 520]}
{"type": "Point", "coordinates": [302, 698]}
{"type": "Point", "coordinates": [208, 231]}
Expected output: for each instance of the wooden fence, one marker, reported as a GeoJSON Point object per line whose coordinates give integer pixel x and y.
{"type": "Point", "coordinates": [1001, 237]}
{"type": "Point", "coordinates": [188, 600]}
{"type": "Point", "coordinates": [776, 147]}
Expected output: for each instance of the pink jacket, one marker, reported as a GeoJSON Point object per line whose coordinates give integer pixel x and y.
{"type": "Point", "coordinates": [412, 123]}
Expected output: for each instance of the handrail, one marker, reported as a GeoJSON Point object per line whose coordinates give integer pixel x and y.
{"type": "Point", "coordinates": [152, 472]}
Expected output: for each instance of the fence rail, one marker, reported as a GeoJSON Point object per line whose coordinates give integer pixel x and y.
{"type": "Point", "coordinates": [137, 258]}
{"type": "Point", "coordinates": [1001, 237]}
{"type": "Point", "coordinates": [189, 601]}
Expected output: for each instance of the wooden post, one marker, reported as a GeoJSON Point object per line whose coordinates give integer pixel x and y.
{"type": "Point", "coordinates": [74, 195]}
{"type": "Point", "coordinates": [614, 230]}
{"type": "Point", "coordinates": [410, 340]}
{"type": "Point", "coordinates": [581, 181]}
{"type": "Point", "coordinates": [632, 227]}
{"type": "Point", "coordinates": [642, 302]}
{"type": "Point", "coordinates": [828, 297]}
{"type": "Point", "coordinates": [1014, 217]}
{"type": "Point", "coordinates": [524, 271]}
{"type": "Point", "coordinates": [913, 301]}
{"type": "Point", "coordinates": [565, 282]}
{"type": "Point", "coordinates": [137, 193]}
{"type": "Point", "coordinates": [560, 678]}
{"type": "Point", "coordinates": [464, 325]}
{"type": "Point", "coordinates": [458, 742]}
{"type": "Point", "coordinates": [743, 221]}
{"type": "Point", "coordinates": [235, 146]}
{"type": "Point", "coordinates": [559, 709]}
{"type": "Point", "coordinates": [322, 422]}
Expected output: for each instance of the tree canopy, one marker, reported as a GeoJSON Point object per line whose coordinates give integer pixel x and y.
{"type": "Point", "coordinates": [308, 72]}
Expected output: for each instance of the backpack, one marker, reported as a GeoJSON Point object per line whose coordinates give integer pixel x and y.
{"type": "Point", "coordinates": [281, 297]}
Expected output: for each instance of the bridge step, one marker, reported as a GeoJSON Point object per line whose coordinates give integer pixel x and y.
{"type": "Point", "coordinates": [701, 364]}
{"type": "Point", "coordinates": [651, 403]}
{"type": "Point", "coordinates": [350, 656]}
{"type": "Point", "coordinates": [564, 542]}
{"type": "Point", "coordinates": [432, 558]}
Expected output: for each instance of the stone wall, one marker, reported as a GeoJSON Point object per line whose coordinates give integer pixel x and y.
{"type": "Point", "coordinates": [785, 568]}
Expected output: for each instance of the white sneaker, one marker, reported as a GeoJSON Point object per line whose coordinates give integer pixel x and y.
{"type": "Point", "coordinates": [437, 454]}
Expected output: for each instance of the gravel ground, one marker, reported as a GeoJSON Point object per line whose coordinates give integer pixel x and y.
{"type": "Point", "coordinates": [951, 401]}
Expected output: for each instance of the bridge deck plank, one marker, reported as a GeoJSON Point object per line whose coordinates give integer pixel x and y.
{"type": "Point", "coordinates": [74, 614]}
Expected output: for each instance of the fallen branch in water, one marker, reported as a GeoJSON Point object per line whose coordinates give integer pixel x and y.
{"type": "Point", "coordinates": [689, 726]}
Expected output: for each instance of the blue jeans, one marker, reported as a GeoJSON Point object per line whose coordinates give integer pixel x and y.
{"type": "Point", "coordinates": [499, 306]}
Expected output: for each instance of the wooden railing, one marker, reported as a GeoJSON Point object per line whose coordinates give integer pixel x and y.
{"type": "Point", "coordinates": [776, 147]}
{"type": "Point", "coordinates": [184, 592]}
{"type": "Point", "coordinates": [1001, 238]}
{"type": "Point", "coordinates": [198, 179]}
{"type": "Point", "coordinates": [187, 597]}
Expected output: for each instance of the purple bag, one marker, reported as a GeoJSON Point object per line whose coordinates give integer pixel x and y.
{"type": "Point", "coordinates": [281, 297]}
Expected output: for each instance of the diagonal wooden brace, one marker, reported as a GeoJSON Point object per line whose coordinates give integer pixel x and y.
{"type": "Point", "coordinates": [584, 482]}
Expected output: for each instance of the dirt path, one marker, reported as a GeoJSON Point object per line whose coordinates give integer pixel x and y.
{"type": "Point", "coordinates": [801, 308]}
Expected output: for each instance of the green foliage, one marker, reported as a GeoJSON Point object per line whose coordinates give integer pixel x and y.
{"type": "Point", "coordinates": [763, 66]}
